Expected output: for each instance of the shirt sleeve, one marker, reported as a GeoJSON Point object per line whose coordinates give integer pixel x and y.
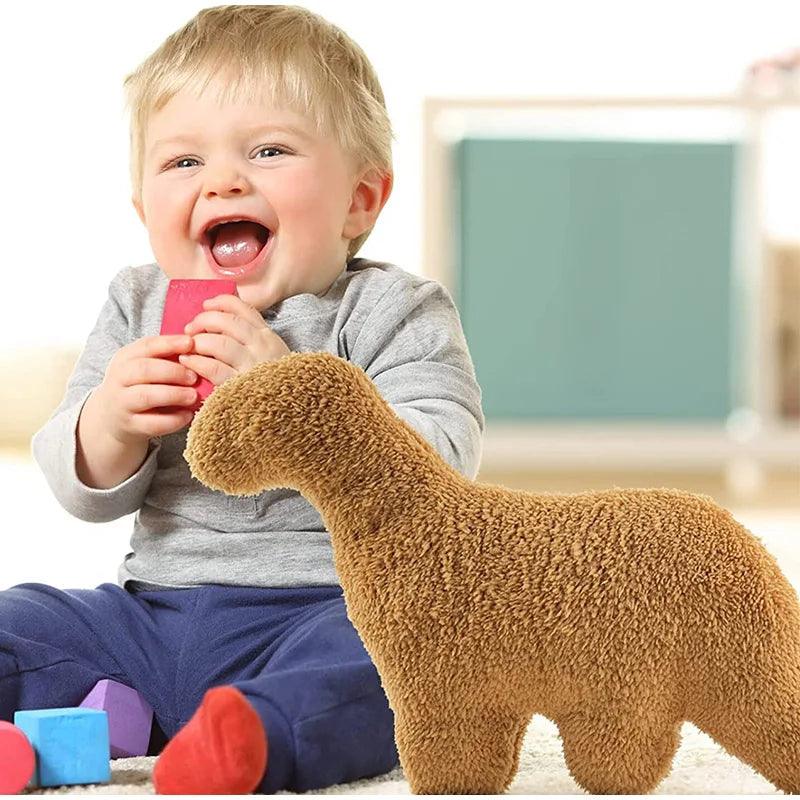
{"type": "Point", "coordinates": [413, 348]}
{"type": "Point", "coordinates": [54, 446]}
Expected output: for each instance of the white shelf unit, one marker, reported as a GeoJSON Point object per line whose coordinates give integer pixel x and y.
{"type": "Point", "coordinates": [754, 437]}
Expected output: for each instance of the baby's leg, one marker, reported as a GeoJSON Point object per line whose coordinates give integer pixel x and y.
{"type": "Point", "coordinates": [297, 660]}
{"type": "Point", "coordinates": [326, 715]}
{"type": "Point", "coordinates": [55, 645]}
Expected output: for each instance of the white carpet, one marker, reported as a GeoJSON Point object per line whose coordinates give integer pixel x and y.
{"type": "Point", "coordinates": [700, 767]}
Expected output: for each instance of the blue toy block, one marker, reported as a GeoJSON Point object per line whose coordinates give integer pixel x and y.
{"type": "Point", "coordinates": [71, 745]}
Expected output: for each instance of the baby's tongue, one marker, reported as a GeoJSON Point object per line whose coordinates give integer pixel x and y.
{"type": "Point", "coordinates": [238, 243]}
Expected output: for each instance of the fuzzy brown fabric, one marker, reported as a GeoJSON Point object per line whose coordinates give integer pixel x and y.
{"type": "Point", "coordinates": [616, 614]}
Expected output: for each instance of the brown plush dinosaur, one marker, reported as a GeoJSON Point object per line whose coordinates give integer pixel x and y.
{"type": "Point", "coordinates": [617, 614]}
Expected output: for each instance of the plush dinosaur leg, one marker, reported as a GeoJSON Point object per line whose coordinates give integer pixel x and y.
{"type": "Point", "coordinates": [612, 752]}
{"type": "Point", "coordinates": [763, 730]}
{"type": "Point", "coordinates": [458, 750]}
{"type": "Point", "coordinates": [519, 735]}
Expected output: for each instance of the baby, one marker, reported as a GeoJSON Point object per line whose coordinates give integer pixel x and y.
{"type": "Point", "coordinates": [261, 153]}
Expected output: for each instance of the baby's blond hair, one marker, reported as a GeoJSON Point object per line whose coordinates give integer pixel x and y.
{"type": "Point", "coordinates": [285, 54]}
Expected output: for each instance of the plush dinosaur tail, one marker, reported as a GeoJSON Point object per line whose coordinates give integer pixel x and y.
{"type": "Point", "coordinates": [751, 692]}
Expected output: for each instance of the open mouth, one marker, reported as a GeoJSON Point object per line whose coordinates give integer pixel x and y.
{"type": "Point", "coordinates": [236, 248]}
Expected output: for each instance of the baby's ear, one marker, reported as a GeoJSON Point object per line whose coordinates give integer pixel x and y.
{"type": "Point", "coordinates": [137, 204]}
{"type": "Point", "coordinates": [370, 194]}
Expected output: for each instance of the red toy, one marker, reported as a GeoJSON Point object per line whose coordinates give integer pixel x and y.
{"type": "Point", "coordinates": [183, 303]}
{"type": "Point", "coordinates": [17, 759]}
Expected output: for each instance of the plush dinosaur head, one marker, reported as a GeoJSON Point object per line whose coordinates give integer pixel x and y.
{"type": "Point", "coordinates": [279, 423]}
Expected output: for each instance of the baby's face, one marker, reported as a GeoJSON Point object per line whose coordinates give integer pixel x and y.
{"type": "Point", "coordinates": [239, 160]}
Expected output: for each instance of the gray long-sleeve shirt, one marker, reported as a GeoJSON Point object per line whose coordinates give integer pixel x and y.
{"type": "Point", "coordinates": [402, 329]}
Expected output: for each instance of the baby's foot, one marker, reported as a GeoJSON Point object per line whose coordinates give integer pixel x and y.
{"type": "Point", "coordinates": [221, 750]}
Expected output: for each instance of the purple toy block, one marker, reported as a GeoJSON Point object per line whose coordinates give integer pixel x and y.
{"type": "Point", "coordinates": [129, 717]}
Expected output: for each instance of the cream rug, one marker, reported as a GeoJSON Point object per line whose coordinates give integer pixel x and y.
{"type": "Point", "coordinates": [700, 767]}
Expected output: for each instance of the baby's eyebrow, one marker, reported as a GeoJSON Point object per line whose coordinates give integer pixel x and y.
{"type": "Point", "coordinates": [190, 138]}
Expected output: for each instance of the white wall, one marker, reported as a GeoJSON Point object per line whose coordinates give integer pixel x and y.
{"type": "Point", "coordinates": [68, 221]}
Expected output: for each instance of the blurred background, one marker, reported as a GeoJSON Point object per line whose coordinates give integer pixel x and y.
{"type": "Point", "coordinates": [611, 193]}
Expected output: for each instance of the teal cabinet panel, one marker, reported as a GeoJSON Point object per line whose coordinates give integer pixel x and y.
{"type": "Point", "coordinates": [595, 277]}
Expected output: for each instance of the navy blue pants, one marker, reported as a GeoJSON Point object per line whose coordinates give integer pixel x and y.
{"type": "Point", "coordinates": [293, 653]}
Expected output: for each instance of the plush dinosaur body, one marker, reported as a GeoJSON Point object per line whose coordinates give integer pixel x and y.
{"type": "Point", "coordinates": [617, 614]}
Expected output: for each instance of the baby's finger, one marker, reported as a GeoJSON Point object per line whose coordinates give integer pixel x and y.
{"type": "Point", "coordinates": [234, 304]}
{"type": "Point", "coordinates": [155, 370]}
{"type": "Point", "coordinates": [236, 326]}
{"type": "Point", "coordinates": [161, 422]}
{"type": "Point", "coordinates": [210, 368]}
{"type": "Point", "coordinates": [147, 396]}
{"type": "Point", "coordinates": [159, 346]}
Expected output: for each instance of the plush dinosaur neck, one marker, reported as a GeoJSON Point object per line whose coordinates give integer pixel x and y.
{"type": "Point", "coordinates": [363, 464]}
{"type": "Point", "coordinates": [318, 424]}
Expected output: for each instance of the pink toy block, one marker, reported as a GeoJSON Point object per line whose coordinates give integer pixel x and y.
{"type": "Point", "coordinates": [129, 717]}
{"type": "Point", "coordinates": [183, 303]}
{"type": "Point", "coordinates": [17, 759]}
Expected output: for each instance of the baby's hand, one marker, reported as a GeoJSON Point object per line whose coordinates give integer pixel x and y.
{"type": "Point", "coordinates": [239, 338]}
{"type": "Point", "coordinates": [144, 393]}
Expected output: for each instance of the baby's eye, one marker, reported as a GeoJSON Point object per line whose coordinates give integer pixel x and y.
{"type": "Point", "coordinates": [276, 149]}
{"type": "Point", "coordinates": [180, 161]}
